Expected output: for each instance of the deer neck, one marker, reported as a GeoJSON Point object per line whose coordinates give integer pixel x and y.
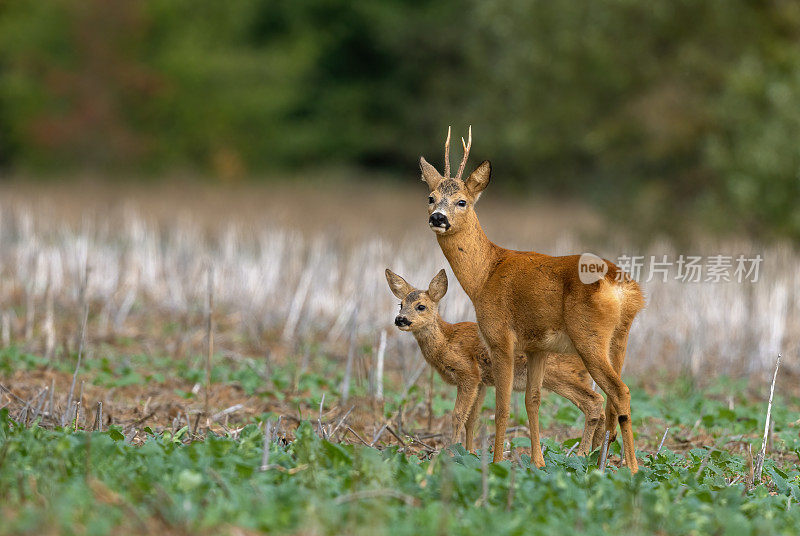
{"type": "Point", "coordinates": [433, 339]}
{"type": "Point", "coordinates": [471, 256]}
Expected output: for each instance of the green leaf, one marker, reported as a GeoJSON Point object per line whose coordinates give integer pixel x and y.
{"type": "Point", "coordinates": [524, 442]}
{"type": "Point", "coordinates": [189, 480]}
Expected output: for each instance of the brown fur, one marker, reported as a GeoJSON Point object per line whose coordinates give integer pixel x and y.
{"type": "Point", "coordinates": [527, 302]}
{"type": "Point", "coordinates": [456, 352]}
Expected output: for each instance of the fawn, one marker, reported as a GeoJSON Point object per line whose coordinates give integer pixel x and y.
{"type": "Point", "coordinates": [531, 303]}
{"type": "Point", "coordinates": [456, 352]}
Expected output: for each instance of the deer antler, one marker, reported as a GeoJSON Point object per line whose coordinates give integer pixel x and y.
{"type": "Point", "coordinates": [447, 155]}
{"type": "Point", "coordinates": [467, 147]}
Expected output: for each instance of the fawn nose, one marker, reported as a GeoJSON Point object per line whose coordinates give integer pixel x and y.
{"type": "Point", "coordinates": [401, 321]}
{"type": "Point", "coordinates": [438, 219]}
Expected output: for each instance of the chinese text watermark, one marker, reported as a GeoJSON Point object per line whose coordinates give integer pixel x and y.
{"type": "Point", "coordinates": [684, 268]}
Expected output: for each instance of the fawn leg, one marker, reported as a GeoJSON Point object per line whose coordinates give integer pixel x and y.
{"type": "Point", "coordinates": [473, 416]}
{"type": "Point", "coordinates": [591, 404]}
{"type": "Point", "coordinates": [533, 397]}
{"type": "Point", "coordinates": [503, 372]}
{"type": "Point", "coordinates": [600, 430]}
{"type": "Point", "coordinates": [565, 377]}
{"type": "Point", "coordinates": [619, 396]}
{"type": "Point", "coordinates": [465, 397]}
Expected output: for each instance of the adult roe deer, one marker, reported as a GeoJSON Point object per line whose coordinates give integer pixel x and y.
{"type": "Point", "coordinates": [456, 352]}
{"type": "Point", "coordinates": [531, 303]}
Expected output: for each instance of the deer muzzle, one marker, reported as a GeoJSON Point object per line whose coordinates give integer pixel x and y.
{"type": "Point", "coordinates": [401, 321]}
{"type": "Point", "coordinates": [438, 220]}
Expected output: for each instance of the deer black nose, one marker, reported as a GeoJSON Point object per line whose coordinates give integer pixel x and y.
{"type": "Point", "coordinates": [438, 219]}
{"type": "Point", "coordinates": [401, 321]}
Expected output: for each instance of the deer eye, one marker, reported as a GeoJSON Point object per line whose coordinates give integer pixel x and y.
{"type": "Point", "coordinates": [430, 200]}
{"type": "Point", "coordinates": [462, 203]}
{"type": "Point", "coordinates": [420, 307]}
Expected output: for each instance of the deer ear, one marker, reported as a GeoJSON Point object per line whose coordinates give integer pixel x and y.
{"type": "Point", "coordinates": [429, 173]}
{"type": "Point", "coordinates": [438, 287]}
{"type": "Point", "coordinates": [398, 285]}
{"type": "Point", "coordinates": [479, 179]}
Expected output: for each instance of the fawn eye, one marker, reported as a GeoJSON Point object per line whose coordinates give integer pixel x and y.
{"type": "Point", "coordinates": [430, 200]}
{"type": "Point", "coordinates": [420, 307]}
{"type": "Point", "coordinates": [462, 203]}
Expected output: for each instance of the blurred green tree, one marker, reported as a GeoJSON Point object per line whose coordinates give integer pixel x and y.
{"type": "Point", "coordinates": [666, 108]}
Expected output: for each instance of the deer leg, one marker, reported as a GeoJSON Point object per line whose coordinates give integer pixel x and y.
{"type": "Point", "coordinates": [616, 354]}
{"type": "Point", "coordinates": [594, 353]}
{"type": "Point", "coordinates": [533, 397]}
{"type": "Point", "coordinates": [465, 397]}
{"type": "Point", "coordinates": [473, 416]}
{"type": "Point", "coordinates": [503, 372]}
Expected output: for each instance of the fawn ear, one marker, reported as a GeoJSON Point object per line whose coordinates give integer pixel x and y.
{"type": "Point", "coordinates": [429, 173]}
{"type": "Point", "coordinates": [398, 285]}
{"type": "Point", "coordinates": [479, 179]}
{"type": "Point", "coordinates": [438, 287]}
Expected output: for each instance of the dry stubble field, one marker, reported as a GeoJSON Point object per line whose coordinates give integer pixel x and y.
{"type": "Point", "coordinates": [300, 305]}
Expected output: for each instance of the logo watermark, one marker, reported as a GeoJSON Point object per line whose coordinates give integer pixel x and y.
{"type": "Point", "coordinates": [684, 268]}
{"type": "Point", "coordinates": [591, 268]}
